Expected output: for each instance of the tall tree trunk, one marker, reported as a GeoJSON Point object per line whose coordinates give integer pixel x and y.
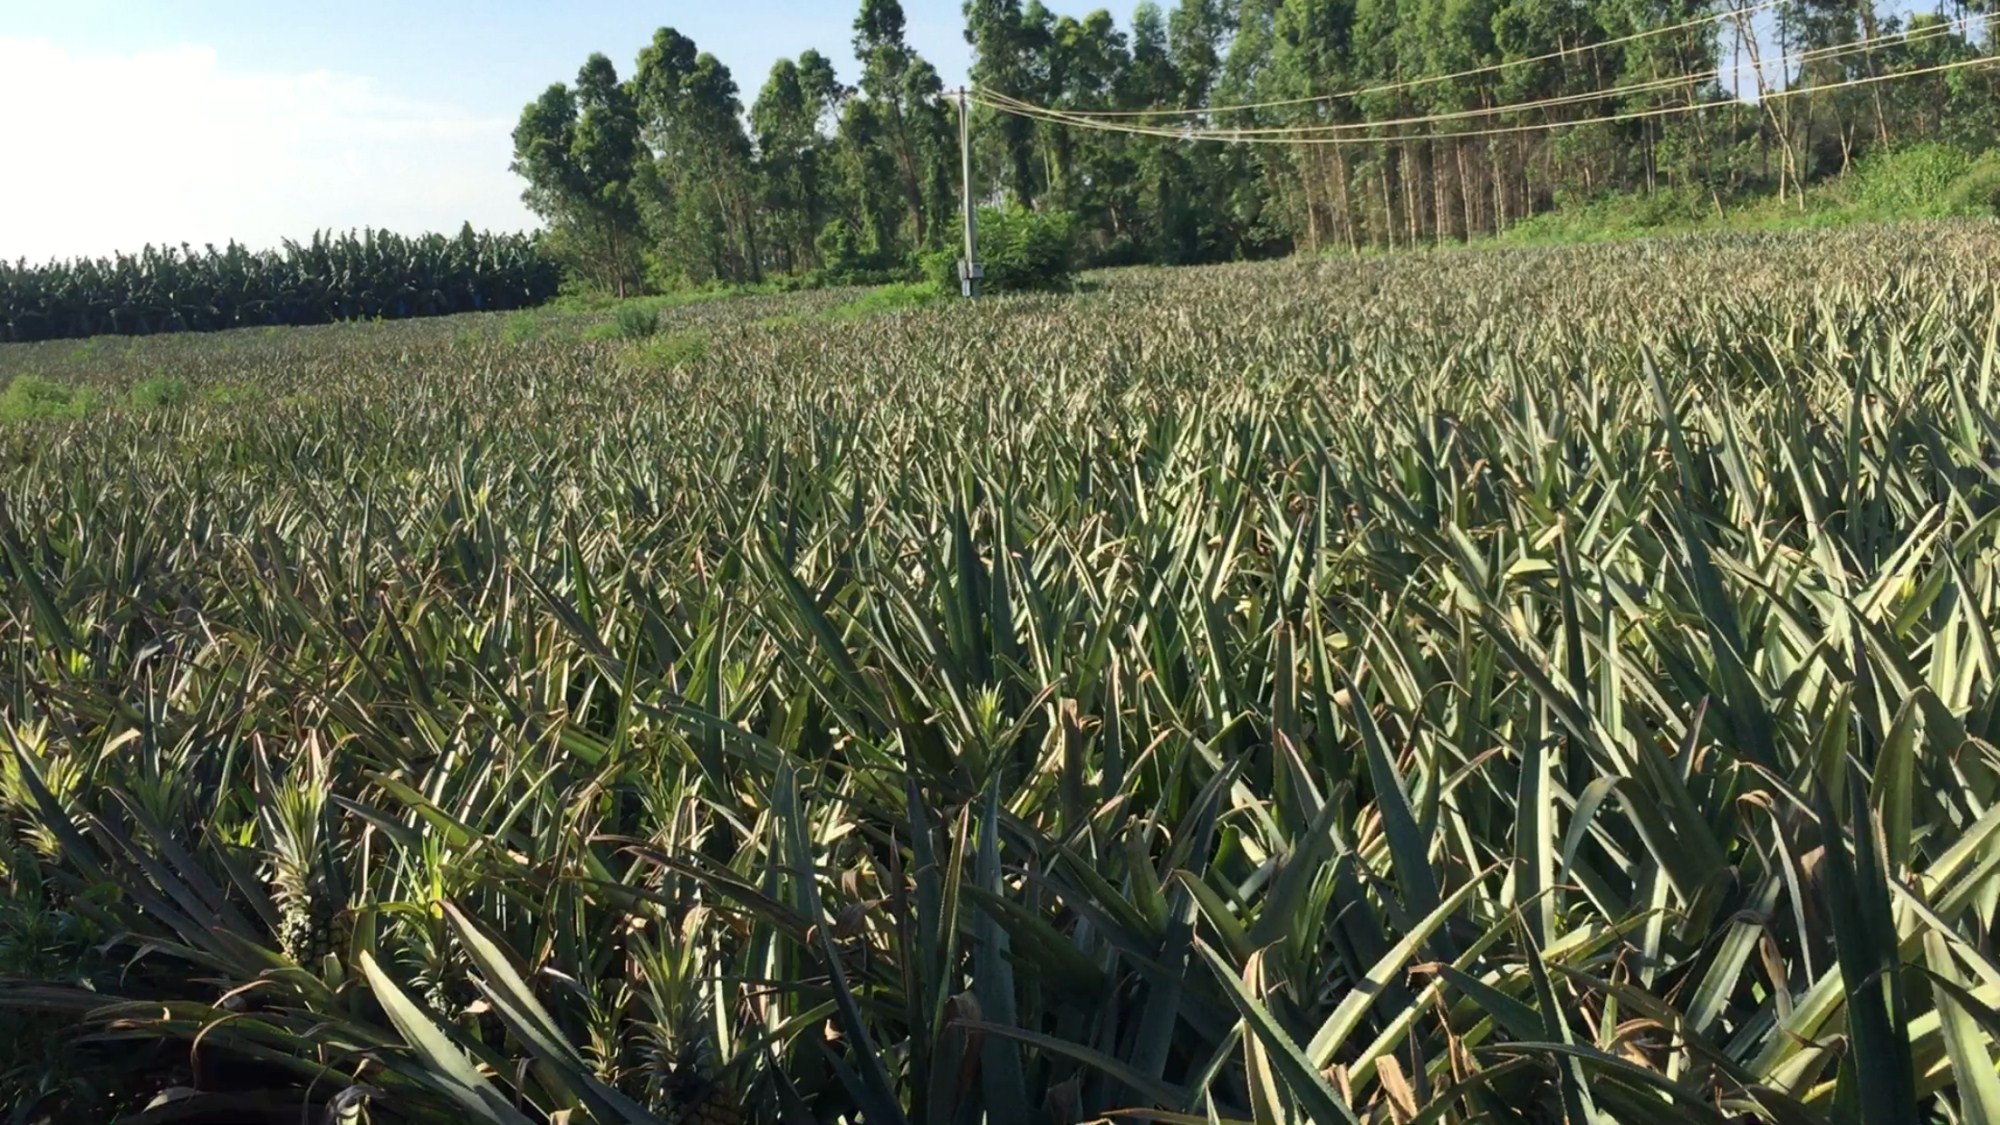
{"type": "Point", "coordinates": [906, 164]}
{"type": "Point", "coordinates": [1308, 175]}
{"type": "Point", "coordinates": [1867, 9]}
{"type": "Point", "coordinates": [1342, 200]}
{"type": "Point", "coordinates": [1465, 197]}
{"type": "Point", "coordinates": [1414, 198]}
{"type": "Point", "coordinates": [1499, 186]}
{"type": "Point", "coordinates": [1388, 197]}
{"type": "Point", "coordinates": [1438, 210]}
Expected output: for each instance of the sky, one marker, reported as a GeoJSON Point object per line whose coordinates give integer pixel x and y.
{"type": "Point", "coordinates": [167, 121]}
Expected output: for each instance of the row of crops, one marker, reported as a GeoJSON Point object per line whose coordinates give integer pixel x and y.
{"type": "Point", "coordinates": [1512, 687]}
{"type": "Point", "coordinates": [352, 276]}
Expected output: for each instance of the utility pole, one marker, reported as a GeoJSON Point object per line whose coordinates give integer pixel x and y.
{"type": "Point", "coordinates": [969, 272]}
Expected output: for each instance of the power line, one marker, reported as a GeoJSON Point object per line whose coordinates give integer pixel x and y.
{"type": "Point", "coordinates": [1310, 137]}
{"type": "Point", "coordinates": [1413, 83]}
{"type": "Point", "coordinates": [1022, 109]}
{"type": "Point", "coordinates": [1651, 85]}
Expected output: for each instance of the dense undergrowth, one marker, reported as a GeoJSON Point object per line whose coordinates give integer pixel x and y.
{"type": "Point", "coordinates": [1926, 180]}
{"type": "Point", "coordinates": [1513, 686]}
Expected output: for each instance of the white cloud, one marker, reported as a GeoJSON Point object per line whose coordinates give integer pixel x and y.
{"type": "Point", "coordinates": [109, 152]}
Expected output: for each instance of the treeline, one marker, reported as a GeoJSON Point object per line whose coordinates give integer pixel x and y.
{"type": "Point", "coordinates": [665, 179]}
{"type": "Point", "coordinates": [334, 277]}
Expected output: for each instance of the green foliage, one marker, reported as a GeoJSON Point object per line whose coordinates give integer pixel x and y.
{"type": "Point", "coordinates": [889, 298]}
{"type": "Point", "coordinates": [1914, 181]}
{"type": "Point", "coordinates": [940, 269]}
{"type": "Point", "coordinates": [842, 259]}
{"type": "Point", "coordinates": [31, 398]}
{"type": "Point", "coordinates": [522, 327]}
{"type": "Point", "coordinates": [668, 350]}
{"type": "Point", "coordinates": [161, 391]}
{"type": "Point", "coordinates": [1976, 191]}
{"type": "Point", "coordinates": [1617, 216]}
{"type": "Point", "coordinates": [1025, 250]}
{"type": "Point", "coordinates": [354, 276]}
{"type": "Point", "coordinates": [1020, 250]}
{"type": "Point", "coordinates": [1923, 181]}
{"type": "Point", "coordinates": [636, 322]}
{"type": "Point", "coordinates": [227, 394]}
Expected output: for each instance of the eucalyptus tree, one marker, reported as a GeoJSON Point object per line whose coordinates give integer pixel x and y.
{"type": "Point", "coordinates": [698, 189]}
{"type": "Point", "coordinates": [1088, 172]}
{"type": "Point", "coordinates": [579, 150]}
{"type": "Point", "coordinates": [1452, 119]}
{"type": "Point", "coordinates": [1005, 42]}
{"type": "Point", "coordinates": [795, 155]}
{"type": "Point", "coordinates": [905, 114]}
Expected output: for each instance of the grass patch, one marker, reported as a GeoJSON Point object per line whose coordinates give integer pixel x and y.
{"type": "Point", "coordinates": [632, 321]}
{"type": "Point", "coordinates": [226, 394]}
{"type": "Point", "coordinates": [1927, 180]}
{"type": "Point", "coordinates": [523, 327]}
{"type": "Point", "coordinates": [160, 392]}
{"type": "Point", "coordinates": [636, 322]}
{"type": "Point", "coordinates": [664, 351]}
{"type": "Point", "coordinates": [887, 299]}
{"type": "Point", "coordinates": [578, 303]}
{"type": "Point", "coordinates": [31, 398]}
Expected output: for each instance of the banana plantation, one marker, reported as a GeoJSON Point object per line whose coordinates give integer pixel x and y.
{"type": "Point", "coordinates": [334, 277]}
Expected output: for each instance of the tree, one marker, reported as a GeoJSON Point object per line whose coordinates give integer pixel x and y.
{"type": "Point", "coordinates": [1006, 44]}
{"type": "Point", "coordinates": [699, 187]}
{"type": "Point", "coordinates": [793, 152]}
{"type": "Point", "coordinates": [1382, 123]}
{"type": "Point", "coordinates": [906, 115]}
{"type": "Point", "coordinates": [1197, 32]}
{"type": "Point", "coordinates": [578, 151]}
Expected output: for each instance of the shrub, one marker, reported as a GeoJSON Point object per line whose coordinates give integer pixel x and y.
{"type": "Point", "coordinates": [889, 298]}
{"type": "Point", "coordinates": [1021, 250]}
{"type": "Point", "coordinates": [32, 398]}
{"type": "Point", "coordinates": [161, 391]}
{"type": "Point", "coordinates": [1615, 216]}
{"type": "Point", "coordinates": [1977, 190]}
{"type": "Point", "coordinates": [522, 328]}
{"type": "Point", "coordinates": [845, 261]}
{"type": "Point", "coordinates": [637, 321]}
{"type": "Point", "coordinates": [226, 394]}
{"type": "Point", "coordinates": [939, 268]}
{"type": "Point", "coordinates": [1913, 181]}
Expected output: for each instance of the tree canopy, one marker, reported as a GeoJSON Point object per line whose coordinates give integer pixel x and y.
{"type": "Point", "coordinates": [1435, 120]}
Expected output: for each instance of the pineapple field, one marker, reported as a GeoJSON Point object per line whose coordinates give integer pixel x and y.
{"type": "Point", "coordinates": [1512, 686]}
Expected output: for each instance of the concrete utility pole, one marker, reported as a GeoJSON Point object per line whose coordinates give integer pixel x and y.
{"type": "Point", "coordinates": [969, 272]}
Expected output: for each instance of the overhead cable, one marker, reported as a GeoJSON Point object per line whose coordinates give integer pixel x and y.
{"type": "Point", "coordinates": [1309, 136]}
{"type": "Point", "coordinates": [1651, 85]}
{"type": "Point", "coordinates": [1432, 79]}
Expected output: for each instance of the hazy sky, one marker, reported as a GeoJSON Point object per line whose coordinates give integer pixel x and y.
{"type": "Point", "coordinates": [135, 121]}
